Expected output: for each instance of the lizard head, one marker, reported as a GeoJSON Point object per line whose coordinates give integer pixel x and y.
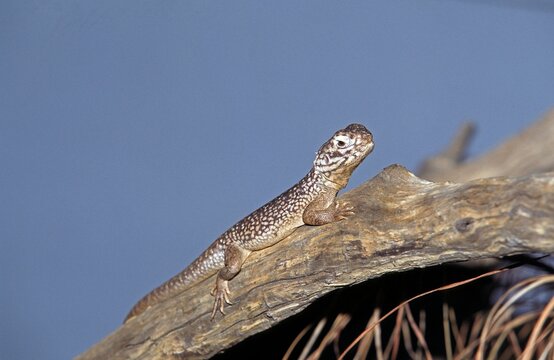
{"type": "Point", "coordinates": [342, 153]}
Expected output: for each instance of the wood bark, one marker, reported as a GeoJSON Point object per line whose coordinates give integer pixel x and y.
{"type": "Point", "coordinates": [402, 222]}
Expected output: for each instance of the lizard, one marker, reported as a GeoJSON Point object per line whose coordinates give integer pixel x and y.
{"type": "Point", "coordinates": [312, 201]}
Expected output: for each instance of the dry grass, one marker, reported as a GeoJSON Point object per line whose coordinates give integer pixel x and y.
{"type": "Point", "coordinates": [501, 332]}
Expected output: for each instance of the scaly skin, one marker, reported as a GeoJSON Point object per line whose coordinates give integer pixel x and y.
{"type": "Point", "coordinates": [312, 202]}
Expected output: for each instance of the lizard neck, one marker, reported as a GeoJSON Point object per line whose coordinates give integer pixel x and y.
{"type": "Point", "coordinates": [333, 182]}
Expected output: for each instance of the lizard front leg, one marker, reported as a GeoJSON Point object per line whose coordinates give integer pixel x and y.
{"type": "Point", "coordinates": [326, 209]}
{"type": "Point", "coordinates": [234, 258]}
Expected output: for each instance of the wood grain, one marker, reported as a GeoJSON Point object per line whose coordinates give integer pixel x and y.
{"type": "Point", "coordinates": [530, 151]}
{"type": "Point", "coordinates": [402, 222]}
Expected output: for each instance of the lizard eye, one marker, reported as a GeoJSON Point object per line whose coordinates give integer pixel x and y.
{"type": "Point", "coordinates": [342, 142]}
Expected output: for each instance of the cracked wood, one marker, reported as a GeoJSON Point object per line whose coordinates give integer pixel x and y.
{"type": "Point", "coordinates": [401, 222]}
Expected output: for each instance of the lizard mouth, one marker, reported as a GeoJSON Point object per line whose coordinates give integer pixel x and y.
{"type": "Point", "coordinates": [368, 148]}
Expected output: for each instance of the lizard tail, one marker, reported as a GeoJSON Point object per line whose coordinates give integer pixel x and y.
{"type": "Point", "coordinates": [161, 293]}
{"type": "Point", "coordinates": [208, 263]}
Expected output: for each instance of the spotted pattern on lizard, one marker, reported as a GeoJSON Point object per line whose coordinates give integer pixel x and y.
{"type": "Point", "coordinates": [312, 201]}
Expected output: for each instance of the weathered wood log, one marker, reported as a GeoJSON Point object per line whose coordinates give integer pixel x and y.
{"type": "Point", "coordinates": [402, 222]}
{"type": "Point", "coordinates": [530, 151]}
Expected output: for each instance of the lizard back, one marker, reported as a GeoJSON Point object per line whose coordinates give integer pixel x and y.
{"type": "Point", "coordinates": [260, 229]}
{"type": "Point", "coordinates": [310, 201]}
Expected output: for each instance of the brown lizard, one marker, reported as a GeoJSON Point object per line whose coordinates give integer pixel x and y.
{"type": "Point", "coordinates": [311, 201]}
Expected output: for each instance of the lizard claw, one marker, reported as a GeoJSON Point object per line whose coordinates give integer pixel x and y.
{"type": "Point", "coordinates": [343, 210]}
{"type": "Point", "coordinates": [221, 293]}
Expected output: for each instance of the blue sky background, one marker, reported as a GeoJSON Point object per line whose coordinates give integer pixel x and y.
{"type": "Point", "coordinates": [133, 133]}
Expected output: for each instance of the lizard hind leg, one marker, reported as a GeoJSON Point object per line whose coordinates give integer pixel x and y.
{"type": "Point", "coordinates": [234, 258]}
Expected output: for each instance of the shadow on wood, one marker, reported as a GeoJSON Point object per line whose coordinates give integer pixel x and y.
{"type": "Point", "coordinates": [402, 222]}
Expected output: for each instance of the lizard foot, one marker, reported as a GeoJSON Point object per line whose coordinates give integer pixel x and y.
{"type": "Point", "coordinates": [343, 210]}
{"type": "Point", "coordinates": [221, 293]}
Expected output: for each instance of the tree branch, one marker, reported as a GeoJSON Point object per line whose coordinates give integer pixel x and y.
{"type": "Point", "coordinates": [434, 167]}
{"type": "Point", "coordinates": [402, 222]}
{"type": "Point", "coordinates": [527, 152]}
